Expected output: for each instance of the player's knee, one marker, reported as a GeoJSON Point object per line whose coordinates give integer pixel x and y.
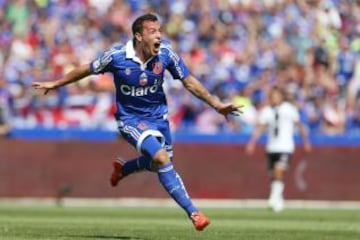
{"type": "Point", "coordinates": [279, 172]}
{"type": "Point", "coordinates": [161, 158]}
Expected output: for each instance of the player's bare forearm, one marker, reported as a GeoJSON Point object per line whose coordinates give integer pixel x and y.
{"type": "Point", "coordinates": [305, 136]}
{"type": "Point", "coordinates": [303, 132]}
{"type": "Point", "coordinates": [259, 129]}
{"type": "Point", "coordinates": [196, 88]}
{"type": "Point", "coordinates": [74, 75]}
{"type": "Point", "coordinates": [250, 147]}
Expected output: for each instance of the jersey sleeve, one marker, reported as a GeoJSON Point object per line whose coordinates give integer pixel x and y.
{"type": "Point", "coordinates": [175, 65]}
{"type": "Point", "coordinates": [103, 63]}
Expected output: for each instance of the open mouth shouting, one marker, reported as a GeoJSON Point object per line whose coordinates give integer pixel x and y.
{"type": "Point", "coordinates": [157, 47]}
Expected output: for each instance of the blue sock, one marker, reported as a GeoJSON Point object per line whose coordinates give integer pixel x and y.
{"type": "Point", "coordinates": [175, 187]}
{"type": "Point", "coordinates": [136, 165]}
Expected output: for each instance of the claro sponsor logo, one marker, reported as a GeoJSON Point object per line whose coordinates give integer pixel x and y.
{"type": "Point", "coordinates": [138, 91]}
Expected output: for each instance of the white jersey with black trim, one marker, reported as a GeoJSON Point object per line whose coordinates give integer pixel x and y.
{"type": "Point", "coordinates": [280, 121]}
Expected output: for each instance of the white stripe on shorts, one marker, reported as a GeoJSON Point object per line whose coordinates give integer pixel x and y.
{"type": "Point", "coordinates": [133, 132]}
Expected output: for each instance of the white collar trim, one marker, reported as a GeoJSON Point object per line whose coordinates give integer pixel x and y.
{"type": "Point", "coordinates": [131, 54]}
{"type": "Point", "coordinates": [130, 51]}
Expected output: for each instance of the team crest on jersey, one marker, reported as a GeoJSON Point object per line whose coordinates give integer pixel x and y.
{"type": "Point", "coordinates": [127, 71]}
{"type": "Point", "coordinates": [157, 67]}
{"type": "Point", "coordinates": [142, 126]}
{"type": "Point", "coordinates": [143, 80]}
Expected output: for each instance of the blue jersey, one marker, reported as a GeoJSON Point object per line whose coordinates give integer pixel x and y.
{"type": "Point", "coordinates": [139, 86]}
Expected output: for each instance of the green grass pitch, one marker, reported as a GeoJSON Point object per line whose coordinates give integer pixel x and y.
{"type": "Point", "coordinates": [172, 224]}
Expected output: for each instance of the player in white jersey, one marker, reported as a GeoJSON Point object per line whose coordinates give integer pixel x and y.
{"type": "Point", "coordinates": [138, 70]}
{"type": "Point", "coordinates": [280, 119]}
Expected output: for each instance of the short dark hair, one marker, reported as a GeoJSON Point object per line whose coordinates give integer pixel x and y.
{"type": "Point", "coordinates": [278, 89]}
{"type": "Point", "coordinates": [137, 26]}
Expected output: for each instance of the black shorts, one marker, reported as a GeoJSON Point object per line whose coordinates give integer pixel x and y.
{"type": "Point", "coordinates": [281, 159]}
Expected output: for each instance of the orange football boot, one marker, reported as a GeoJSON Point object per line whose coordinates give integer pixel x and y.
{"type": "Point", "coordinates": [116, 175]}
{"type": "Point", "coordinates": [199, 220]}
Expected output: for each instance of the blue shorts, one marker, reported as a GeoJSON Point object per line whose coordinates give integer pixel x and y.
{"type": "Point", "coordinates": [135, 131]}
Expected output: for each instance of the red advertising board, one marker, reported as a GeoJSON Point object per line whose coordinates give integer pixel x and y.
{"type": "Point", "coordinates": [82, 169]}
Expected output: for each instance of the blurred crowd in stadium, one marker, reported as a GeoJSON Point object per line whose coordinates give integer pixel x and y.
{"type": "Point", "coordinates": [237, 48]}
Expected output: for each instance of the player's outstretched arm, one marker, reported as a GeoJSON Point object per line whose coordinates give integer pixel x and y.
{"type": "Point", "coordinates": [259, 129]}
{"type": "Point", "coordinates": [73, 76]}
{"type": "Point", "coordinates": [196, 88]}
{"type": "Point", "coordinates": [304, 134]}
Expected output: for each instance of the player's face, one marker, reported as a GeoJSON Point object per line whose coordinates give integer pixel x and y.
{"type": "Point", "coordinates": [151, 37]}
{"type": "Point", "coordinates": [276, 97]}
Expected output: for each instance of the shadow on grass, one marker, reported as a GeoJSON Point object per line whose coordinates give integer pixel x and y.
{"type": "Point", "coordinates": [106, 237]}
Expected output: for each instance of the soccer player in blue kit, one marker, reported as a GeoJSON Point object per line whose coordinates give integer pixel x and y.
{"type": "Point", "coordinates": [138, 70]}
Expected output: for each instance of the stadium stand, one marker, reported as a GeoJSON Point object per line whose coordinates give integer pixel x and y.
{"type": "Point", "coordinates": [238, 48]}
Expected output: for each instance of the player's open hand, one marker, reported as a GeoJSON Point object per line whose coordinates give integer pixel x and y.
{"type": "Point", "coordinates": [229, 108]}
{"type": "Point", "coordinates": [47, 86]}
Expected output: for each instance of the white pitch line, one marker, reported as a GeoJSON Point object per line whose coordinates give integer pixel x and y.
{"type": "Point", "coordinates": [164, 202]}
